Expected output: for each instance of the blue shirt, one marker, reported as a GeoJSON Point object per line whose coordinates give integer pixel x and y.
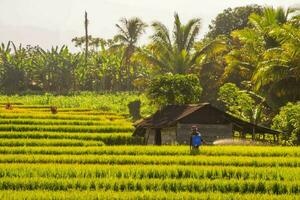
{"type": "Point", "coordinates": [196, 140]}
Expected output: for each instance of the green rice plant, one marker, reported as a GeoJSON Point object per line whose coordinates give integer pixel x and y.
{"type": "Point", "coordinates": [166, 185]}
{"type": "Point", "coordinates": [209, 151]}
{"type": "Point", "coordinates": [153, 160]}
{"type": "Point", "coordinates": [66, 128]}
{"type": "Point", "coordinates": [124, 138]}
{"type": "Point", "coordinates": [61, 150]}
{"type": "Point", "coordinates": [149, 172]}
{"type": "Point", "coordinates": [114, 102]}
{"type": "Point", "coordinates": [58, 116]}
{"type": "Point", "coordinates": [118, 122]}
{"type": "Point", "coordinates": [47, 142]}
{"type": "Point", "coordinates": [109, 139]}
{"type": "Point", "coordinates": [60, 111]}
{"type": "Point", "coordinates": [112, 195]}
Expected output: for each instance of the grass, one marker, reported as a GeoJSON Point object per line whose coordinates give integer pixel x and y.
{"type": "Point", "coordinates": [116, 102]}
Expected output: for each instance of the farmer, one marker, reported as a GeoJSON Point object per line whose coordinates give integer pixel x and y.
{"type": "Point", "coordinates": [195, 140]}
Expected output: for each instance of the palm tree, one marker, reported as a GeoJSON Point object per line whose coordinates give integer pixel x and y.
{"type": "Point", "coordinates": [271, 18]}
{"type": "Point", "coordinates": [268, 55]}
{"type": "Point", "coordinates": [278, 74]}
{"type": "Point", "coordinates": [176, 54]}
{"type": "Point", "coordinates": [256, 41]}
{"type": "Point", "coordinates": [130, 31]}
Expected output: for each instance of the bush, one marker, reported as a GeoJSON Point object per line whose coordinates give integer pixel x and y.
{"type": "Point", "coordinates": [236, 101]}
{"type": "Point", "coordinates": [288, 121]}
{"type": "Point", "coordinates": [174, 89]}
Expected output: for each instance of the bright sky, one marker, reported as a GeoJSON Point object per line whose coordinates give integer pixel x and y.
{"type": "Point", "coordinates": [56, 22]}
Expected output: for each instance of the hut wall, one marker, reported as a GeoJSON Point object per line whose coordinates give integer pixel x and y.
{"type": "Point", "coordinates": [209, 132]}
{"type": "Point", "coordinates": [150, 136]}
{"type": "Point", "coordinates": [168, 135]}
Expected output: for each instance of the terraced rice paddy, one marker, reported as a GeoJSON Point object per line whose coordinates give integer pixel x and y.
{"type": "Point", "coordinates": [88, 154]}
{"type": "Point", "coordinates": [37, 126]}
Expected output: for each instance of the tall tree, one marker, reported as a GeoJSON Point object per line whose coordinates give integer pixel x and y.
{"type": "Point", "coordinates": [278, 74]}
{"type": "Point", "coordinates": [86, 22]}
{"type": "Point", "coordinates": [271, 18]}
{"type": "Point", "coordinates": [266, 55]}
{"type": "Point", "coordinates": [177, 54]}
{"type": "Point", "coordinates": [130, 31]}
{"type": "Point", "coordinates": [232, 19]}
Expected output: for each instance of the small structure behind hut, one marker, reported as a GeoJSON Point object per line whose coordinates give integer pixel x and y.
{"type": "Point", "coordinates": [172, 125]}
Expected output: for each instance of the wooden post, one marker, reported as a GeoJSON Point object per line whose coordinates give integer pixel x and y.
{"type": "Point", "coordinates": [148, 135]}
{"type": "Point", "coordinates": [232, 132]}
{"type": "Point", "coordinates": [243, 134]}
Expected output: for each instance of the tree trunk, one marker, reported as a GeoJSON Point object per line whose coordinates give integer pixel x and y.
{"type": "Point", "coordinates": [86, 37]}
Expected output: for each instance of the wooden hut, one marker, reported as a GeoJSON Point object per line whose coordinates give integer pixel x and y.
{"type": "Point", "coordinates": [172, 125]}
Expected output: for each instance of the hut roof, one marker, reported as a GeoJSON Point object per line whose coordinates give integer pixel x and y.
{"type": "Point", "coordinates": [169, 115]}
{"type": "Point", "coordinates": [172, 114]}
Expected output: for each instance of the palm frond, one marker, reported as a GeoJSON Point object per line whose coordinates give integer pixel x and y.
{"type": "Point", "coordinates": [212, 46]}
{"type": "Point", "coordinates": [190, 33]}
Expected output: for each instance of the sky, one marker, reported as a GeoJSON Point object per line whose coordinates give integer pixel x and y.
{"type": "Point", "coordinates": [55, 22]}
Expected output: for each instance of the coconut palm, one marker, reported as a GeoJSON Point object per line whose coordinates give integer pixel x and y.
{"type": "Point", "coordinates": [271, 18]}
{"type": "Point", "coordinates": [130, 31]}
{"type": "Point", "coordinates": [279, 73]}
{"type": "Point", "coordinates": [176, 53]}
{"type": "Point", "coordinates": [268, 56]}
{"type": "Point", "coordinates": [256, 41]}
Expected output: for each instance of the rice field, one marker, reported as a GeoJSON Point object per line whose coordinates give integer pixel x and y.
{"type": "Point", "coordinates": [35, 125]}
{"type": "Point", "coordinates": [82, 153]}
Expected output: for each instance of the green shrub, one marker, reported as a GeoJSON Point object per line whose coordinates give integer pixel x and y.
{"type": "Point", "coordinates": [175, 89]}
{"type": "Point", "coordinates": [288, 121]}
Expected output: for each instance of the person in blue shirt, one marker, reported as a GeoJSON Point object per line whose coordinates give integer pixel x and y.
{"type": "Point", "coordinates": [195, 139]}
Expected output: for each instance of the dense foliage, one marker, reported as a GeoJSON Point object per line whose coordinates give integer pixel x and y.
{"type": "Point", "coordinates": [236, 101]}
{"type": "Point", "coordinates": [260, 53]}
{"type": "Point", "coordinates": [174, 89]}
{"type": "Point", "coordinates": [288, 121]}
{"type": "Point", "coordinates": [266, 56]}
{"type": "Point", "coordinates": [232, 19]}
{"type": "Point", "coordinates": [242, 103]}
